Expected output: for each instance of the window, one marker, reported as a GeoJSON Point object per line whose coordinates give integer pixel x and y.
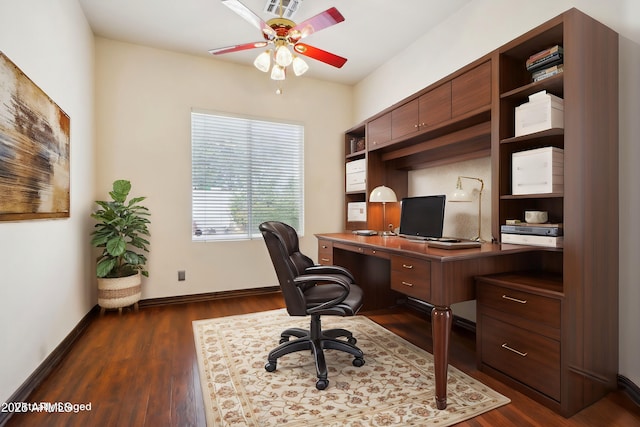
{"type": "Point", "coordinates": [244, 172]}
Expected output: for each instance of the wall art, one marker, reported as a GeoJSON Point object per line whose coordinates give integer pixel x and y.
{"type": "Point", "coordinates": [34, 149]}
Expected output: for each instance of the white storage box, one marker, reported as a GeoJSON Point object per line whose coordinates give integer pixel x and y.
{"type": "Point", "coordinates": [357, 212]}
{"type": "Point", "coordinates": [356, 175]}
{"type": "Point", "coordinates": [537, 171]}
{"type": "Point", "coordinates": [543, 111]}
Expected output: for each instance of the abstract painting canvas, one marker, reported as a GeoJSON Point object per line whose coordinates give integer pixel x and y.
{"type": "Point", "coordinates": [34, 149]}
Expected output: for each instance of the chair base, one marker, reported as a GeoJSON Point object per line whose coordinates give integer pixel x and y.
{"type": "Point", "coordinates": [317, 341]}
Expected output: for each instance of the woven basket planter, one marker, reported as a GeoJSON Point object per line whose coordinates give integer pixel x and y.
{"type": "Point", "coordinates": [119, 292]}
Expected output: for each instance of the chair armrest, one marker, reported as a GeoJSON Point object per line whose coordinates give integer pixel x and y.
{"type": "Point", "coordinates": [337, 279]}
{"type": "Point", "coordinates": [329, 269]}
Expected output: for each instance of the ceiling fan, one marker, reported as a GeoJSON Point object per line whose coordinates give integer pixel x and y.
{"type": "Point", "coordinates": [283, 34]}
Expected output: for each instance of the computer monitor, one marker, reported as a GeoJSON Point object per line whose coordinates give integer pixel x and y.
{"type": "Point", "coordinates": [422, 217]}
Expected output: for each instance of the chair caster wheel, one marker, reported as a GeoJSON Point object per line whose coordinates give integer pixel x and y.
{"type": "Point", "coordinates": [270, 366]}
{"type": "Point", "coordinates": [352, 340]}
{"type": "Point", "coordinates": [322, 384]}
{"type": "Point", "coordinates": [357, 362]}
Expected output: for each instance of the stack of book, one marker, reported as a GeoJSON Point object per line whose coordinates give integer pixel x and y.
{"type": "Point", "coordinates": [546, 63]}
{"type": "Point", "coordinates": [549, 235]}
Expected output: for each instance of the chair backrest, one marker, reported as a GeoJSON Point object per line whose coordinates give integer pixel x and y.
{"type": "Point", "coordinates": [283, 245]}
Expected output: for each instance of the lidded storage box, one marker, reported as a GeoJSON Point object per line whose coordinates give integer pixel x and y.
{"type": "Point", "coordinates": [356, 175]}
{"type": "Point", "coordinates": [543, 111]}
{"type": "Point", "coordinates": [537, 171]}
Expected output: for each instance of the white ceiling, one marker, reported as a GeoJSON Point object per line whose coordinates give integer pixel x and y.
{"type": "Point", "coordinates": [373, 30]}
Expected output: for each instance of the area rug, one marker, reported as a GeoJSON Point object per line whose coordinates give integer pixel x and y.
{"type": "Point", "coordinates": [395, 387]}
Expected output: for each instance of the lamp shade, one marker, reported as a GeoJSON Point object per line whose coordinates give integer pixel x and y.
{"type": "Point", "coordinates": [263, 61]}
{"type": "Point", "coordinates": [460, 195]}
{"type": "Point", "coordinates": [383, 194]}
{"type": "Point", "coordinates": [277, 73]}
{"type": "Point", "coordinates": [299, 66]}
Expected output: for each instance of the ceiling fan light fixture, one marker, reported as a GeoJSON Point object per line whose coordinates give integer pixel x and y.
{"type": "Point", "coordinates": [263, 61]}
{"type": "Point", "coordinates": [284, 57]}
{"type": "Point", "coordinates": [277, 73]}
{"type": "Point", "coordinates": [299, 66]}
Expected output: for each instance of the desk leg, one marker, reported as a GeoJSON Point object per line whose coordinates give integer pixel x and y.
{"type": "Point", "coordinates": [441, 328]}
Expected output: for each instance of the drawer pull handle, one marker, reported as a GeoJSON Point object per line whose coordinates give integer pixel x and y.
{"type": "Point", "coordinates": [519, 353]}
{"type": "Point", "coordinates": [325, 259]}
{"type": "Point", "coordinates": [407, 284]}
{"type": "Point", "coordinates": [407, 266]}
{"type": "Point", "coordinates": [521, 301]}
{"type": "Point", "coordinates": [324, 246]}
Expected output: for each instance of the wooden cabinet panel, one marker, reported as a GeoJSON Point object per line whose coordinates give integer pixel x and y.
{"type": "Point", "coordinates": [471, 90]}
{"type": "Point", "coordinates": [411, 276]}
{"type": "Point", "coordinates": [418, 115]}
{"type": "Point", "coordinates": [379, 131]}
{"type": "Point", "coordinates": [435, 106]}
{"type": "Point", "coordinates": [404, 119]}
{"type": "Point", "coordinates": [525, 356]}
{"type": "Point", "coordinates": [526, 305]}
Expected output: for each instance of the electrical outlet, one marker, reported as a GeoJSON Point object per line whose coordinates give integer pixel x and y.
{"type": "Point", "coordinates": [182, 275]}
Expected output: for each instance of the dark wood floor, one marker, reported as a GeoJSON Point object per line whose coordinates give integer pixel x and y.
{"type": "Point", "coordinates": [140, 369]}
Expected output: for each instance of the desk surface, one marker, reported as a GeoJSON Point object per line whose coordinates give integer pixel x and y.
{"type": "Point", "coordinates": [421, 249]}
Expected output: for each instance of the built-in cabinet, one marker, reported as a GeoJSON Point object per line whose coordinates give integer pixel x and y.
{"type": "Point", "coordinates": [446, 122]}
{"type": "Point", "coordinates": [579, 292]}
{"type": "Point", "coordinates": [553, 332]}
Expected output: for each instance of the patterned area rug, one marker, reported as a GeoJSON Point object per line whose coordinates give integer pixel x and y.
{"type": "Point", "coordinates": [395, 387]}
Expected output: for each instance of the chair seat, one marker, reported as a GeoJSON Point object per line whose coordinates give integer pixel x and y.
{"type": "Point", "coordinates": [322, 293]}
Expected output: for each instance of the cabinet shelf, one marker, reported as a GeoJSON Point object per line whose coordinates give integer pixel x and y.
{"type": "Point", "coordinates": [535, 135]}
{"type": "Point", "coordinates": [531, 196]}
{"type": "Point", "coordinates": [554, 85]}
{"type": "Point", "coordinates": [356, 155]}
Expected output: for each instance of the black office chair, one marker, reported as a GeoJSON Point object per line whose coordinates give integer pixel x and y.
{"type": "Point", "coordinates": [311, 290]}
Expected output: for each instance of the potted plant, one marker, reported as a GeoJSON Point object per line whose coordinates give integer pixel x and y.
{"type": "Point", "coordinates": [121, 232]}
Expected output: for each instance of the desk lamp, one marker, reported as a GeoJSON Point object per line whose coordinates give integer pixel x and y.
{"type": "Point", "coordinates": [384, 195]}
{"type": "Point", "coordinates": [460, 195]}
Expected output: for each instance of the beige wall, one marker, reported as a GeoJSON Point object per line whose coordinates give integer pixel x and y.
{"type": "Point", "coordinates": [144, 97]}
{"type": "Point", "coordinates": [476, 30]}
{"type": "Point", "coordinates": [46, 279]}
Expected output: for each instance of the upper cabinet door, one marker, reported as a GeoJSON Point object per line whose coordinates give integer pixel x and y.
{"type": "Point", "coordinates": [379, 131]}
{"type": "Point", "coordinates": [435, 106]}
{"type": "Point", "coordinates": [404, 119]}
{"type": "Point", "coordinates": [471, 90]}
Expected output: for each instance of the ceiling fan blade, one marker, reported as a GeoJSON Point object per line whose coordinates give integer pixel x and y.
{"type": "Point", "coordinates": [237, 48]}
{"type": "Point", "coordinates": [320, 55]}
{"type": "Point", "coordinates": [250, 17]}
{"type": "Point", "coordinates": [316, 23]}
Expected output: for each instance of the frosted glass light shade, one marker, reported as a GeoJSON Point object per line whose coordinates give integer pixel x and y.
{"type": "Point", "coordinates": [277, 73]}
{"type": "Point", "coordinates": [299, 66]}
{"type": "Point", "coordinates": [383, 194]}
{"type": "Point", "coordinates": [284, 57]}
{"type": "Point", "coordinates": [263, 61]}
{"type": "Point", "coordinates": [460, 195]}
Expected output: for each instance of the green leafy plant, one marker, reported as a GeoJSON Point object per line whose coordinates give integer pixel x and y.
{"type": "Point", "coordinates": [121, 229]}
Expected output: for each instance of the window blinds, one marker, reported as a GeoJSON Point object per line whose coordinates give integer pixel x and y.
{"type": "Point", "coordinates": [244, 172]}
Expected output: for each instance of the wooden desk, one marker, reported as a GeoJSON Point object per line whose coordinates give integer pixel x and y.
{"type": "Point", "coordinates": [441, 277]}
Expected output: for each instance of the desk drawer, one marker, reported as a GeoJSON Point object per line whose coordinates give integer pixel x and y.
{"type": "Point", "coordinates": [537, 308]}
{"type": "Point", "coordinates": [525, 356]}
{"type": "Point", "coordinates": [325, 252]}
{"type": "Point", "coordinates": [411, 276]}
